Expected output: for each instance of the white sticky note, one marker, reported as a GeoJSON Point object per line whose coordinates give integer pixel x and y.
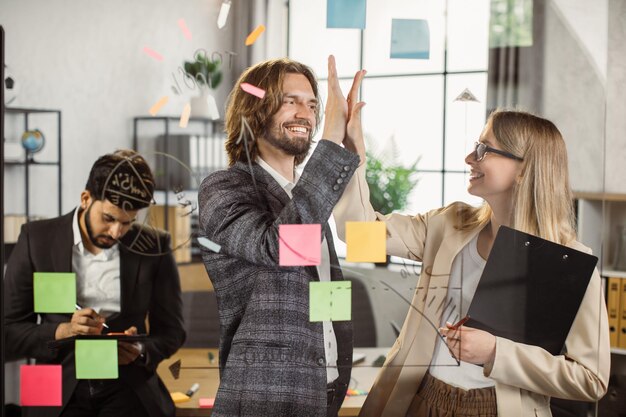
{"type": "Point", "coordinates": [223, 16]}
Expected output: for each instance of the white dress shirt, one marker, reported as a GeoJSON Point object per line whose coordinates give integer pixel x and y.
{"type": "Point", "coordinates": [323, 270]}
{"type": "Point", "coordinates": [97, 276]}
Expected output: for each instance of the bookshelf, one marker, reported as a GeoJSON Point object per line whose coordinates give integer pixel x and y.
{"type": "Point", "coordinates": [181, 158]}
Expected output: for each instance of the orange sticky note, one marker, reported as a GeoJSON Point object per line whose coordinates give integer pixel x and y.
{"type": "Point", "coordinates": [184, 28]}
{"type": "Point", "coordinates": [154, 54]}
{"type": "Point", "coordinates": [206, 402]}
{"type": "Point", "coordinates": [184, 117]}
{"type": "Point", "coordinates": [179, 397]}
{"type": "Point", "coordinates": [251, 89]}
{"type": "Point", "coordinates": [366, 242]}
{"type": "Point", "coordinates": [157, 106]}
{"type": "Point", "coordinates": [40, 385]}
{"type": "Point", "coordinates": [254, 35]}
{"type": "Point", "coordinates": [299, 244]}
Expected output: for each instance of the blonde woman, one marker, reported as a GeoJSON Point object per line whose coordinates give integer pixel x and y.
{"type": "Point", "coordinates": [519, 168]}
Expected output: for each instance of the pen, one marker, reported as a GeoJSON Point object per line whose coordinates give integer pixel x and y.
{"type": "Point", "coordinates": [192, 390]}
{"type": "Point", "coordinates": [460, 323]}
{"type": "Point", "coordinates": [80, 308]}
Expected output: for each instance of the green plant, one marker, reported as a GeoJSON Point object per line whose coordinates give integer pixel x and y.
{"type": "Point", "coordinates": [389, 183]}
{"type": "Point", "coordinates": [204, 71]}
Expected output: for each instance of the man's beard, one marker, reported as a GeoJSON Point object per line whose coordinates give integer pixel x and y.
{"type": "Point", "coordinates": [280, 139]}
{"type": "Point", "coordinates": [90, 235]}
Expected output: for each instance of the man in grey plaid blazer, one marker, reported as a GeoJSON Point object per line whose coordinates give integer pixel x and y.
{"type": "Point", "coordinates": [273, 360]}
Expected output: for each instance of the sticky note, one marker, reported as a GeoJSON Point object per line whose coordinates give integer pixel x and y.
{"type": "Point", "coordinates": [184, 28]}
{"type": "Point", "coordinates": [179, 397]}
{"type": "Point", "coordinates": [156, 107]}
{"type": "Point", "coordinates": [410, 39]}
{"type": "Point", "coordinates": [345, 14]}
{"type": "Point", "coordinates": [221, 18]}
{"type": "Point", "coordinates": [41, 385]}
{"type": "Point", "coordinates": [251, 89]}
{"type": "Point", "coordinates": [96, 359]}
{"type": "Point", "coordinates": [184, 116]}
{"type": "Point", "coordinates": [299, 244]}
{"type": "Point", "coordinates": [209, 244]}
{"type": "Point", "coordinates": [154, 54]}
{"type": "Point", "coordinates": [254, 35]}
{"type": "Point", "coordinates": [330, 301]}
{"type": "Point", "coordinates": [206, 402]}
{"type": "Point", "coordinates": [54, 292]}
{"type": "Point", "coordinates": [366, 242]}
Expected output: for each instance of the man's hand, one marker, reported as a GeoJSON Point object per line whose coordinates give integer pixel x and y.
{"type": "Point", "coordinates": [336, 111]}
{"type": "Point", "coordinates": [85, 321]}
{"type": "Point", "coordinates": [470, 345]}
{"type": "Point", "coordinates": [128, 352]}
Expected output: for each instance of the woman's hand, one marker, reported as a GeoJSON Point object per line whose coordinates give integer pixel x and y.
{"type": "Point", "coordinates": [470, 345]}
{"type": "Point", "coordinates": [354, 139]}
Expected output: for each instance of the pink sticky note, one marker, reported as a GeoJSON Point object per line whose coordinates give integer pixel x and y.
{"type": "Point", "coordinates": [154, 54]}
{"type": "Point", "coordinates": [255, 91]}
{"type": "Point", "coordinates": [40, 385]}
{"type": "Point", "coordinates": [184, 28]}
{"type": "Point", "coordinates": [299, 244]}
{"type": "Point", "coordinates": [206, 402]}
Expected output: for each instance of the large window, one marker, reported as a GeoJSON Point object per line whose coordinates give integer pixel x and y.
{"type": "Point", "coordinates": [410, 103]}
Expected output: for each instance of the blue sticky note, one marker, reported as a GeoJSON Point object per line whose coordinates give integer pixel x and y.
{"type": "Point", "coordinates": [345, 14]}
{"type": "Point", "coordinates": [410, 39]}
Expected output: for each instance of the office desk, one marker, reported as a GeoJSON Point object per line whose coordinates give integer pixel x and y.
{"type": "Point", "coordinates": [196, 368]}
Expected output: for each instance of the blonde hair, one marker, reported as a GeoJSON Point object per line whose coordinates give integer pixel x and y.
{"type": "Point", "coordinates": [258, 113]}
{"type": "Point", "coordinates": [542, 198]}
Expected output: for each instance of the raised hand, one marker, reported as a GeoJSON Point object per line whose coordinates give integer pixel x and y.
{"type": "Point", "coordinates": [354, 139]}
{"type": "Point", "coordinates": [336, 111]}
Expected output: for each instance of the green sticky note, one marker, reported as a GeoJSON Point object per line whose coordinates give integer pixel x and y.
{"type": "Point", "coordinates": [54, 292]}
{"type": "Point", "coordinates": [330, 301]}
{"type": "Point", "coordinates": [96, 359]}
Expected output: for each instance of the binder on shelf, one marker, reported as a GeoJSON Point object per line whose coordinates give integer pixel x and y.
{"type": "Point", "coordinates": [613, 308]}
{"type": "Point", "coordinates": [530, 290]}
{"type": "Point", "coordinates": [179, 227]}
{"type": "Point", "coordinates": [621, 330]}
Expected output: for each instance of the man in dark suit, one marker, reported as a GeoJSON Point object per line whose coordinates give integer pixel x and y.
{"type": "Point", "coordinates": [124, 273]}
{"type": "Point", "coordinates": [273, 360]}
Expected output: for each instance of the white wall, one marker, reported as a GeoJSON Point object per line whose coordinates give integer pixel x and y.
{"type": "Point", "coordinates": [86, 58]}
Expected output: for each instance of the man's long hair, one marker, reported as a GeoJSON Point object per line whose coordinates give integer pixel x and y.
{"type": "Point", "coordinates": [258, 113]}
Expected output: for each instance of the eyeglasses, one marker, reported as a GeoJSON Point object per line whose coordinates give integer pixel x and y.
{"type": "Point", "coordinates": [480, 150]}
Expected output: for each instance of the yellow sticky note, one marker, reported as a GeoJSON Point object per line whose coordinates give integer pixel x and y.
{"type": "Point", "coordinates": [184, 117]}
{"type": "Point", "coordinates": [254, 35]}
{"type": "Point", "coordinates": [366, 241]}
{"type": "Point", "coordinates": [157, 106]}
{"type": "Point", "coordinates": [179, 397]}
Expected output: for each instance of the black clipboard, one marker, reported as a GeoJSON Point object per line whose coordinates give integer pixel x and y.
{"type": "Point", "coordinates": [530, 290]}
{"type": "Point", "coordinates": [56, 344]}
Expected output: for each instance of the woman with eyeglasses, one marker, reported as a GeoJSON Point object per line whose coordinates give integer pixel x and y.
{"type": "Point", "coordinates": [519, 167]}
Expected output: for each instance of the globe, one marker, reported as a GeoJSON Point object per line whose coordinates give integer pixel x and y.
{"type": "Point", "coordinates": [33, 140]}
